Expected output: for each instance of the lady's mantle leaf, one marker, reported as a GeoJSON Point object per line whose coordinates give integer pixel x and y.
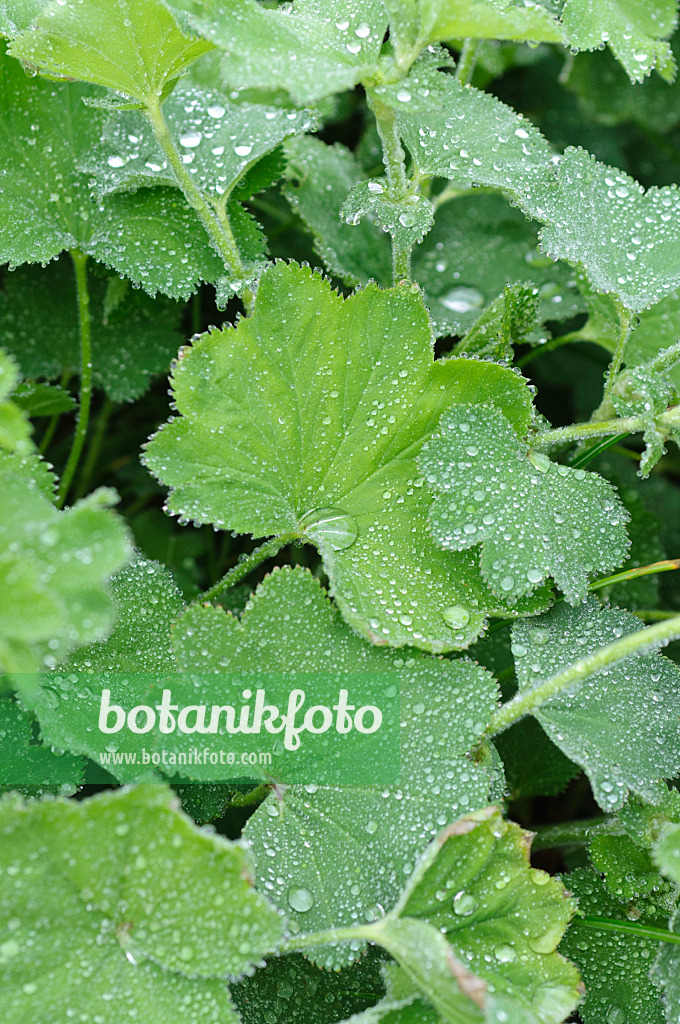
{"type": "Point", "coordinates": [434, 20]}
{"type": "Point", "coordinates": [532, 517]}
{"type": "Point", "coordinates": [53, 568]}
{"type": "Point", "coordinates": [127, 908]}
{"type": "Point", "coordinates": [29, 767]}
{"type": "Point", "coordinates": [623, 724]}
{"type": "Point", "coordinates": [15, 427]}
{"type": "Point", "coordinates": [329, 855]}
{"type": "Point", "coordinates": [476, 926]}
{"type": "Point", "coordinates": [636, 32]}
{"type": "Point", "coordinates": [132, 46]}
{"type": "Point", "coordinates": [310, 49]}
{"type": "Point", "coordinates": [615, 965]}
{"type": "Point", "coordinates": [306, 421]}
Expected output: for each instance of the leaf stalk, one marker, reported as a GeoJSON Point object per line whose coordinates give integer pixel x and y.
{"type": "Point", "coordinates": [79, 261]}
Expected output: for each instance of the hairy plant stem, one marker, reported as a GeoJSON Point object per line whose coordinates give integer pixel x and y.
{"type": "Point", "coordinates": [604, 428]}
{"type": "Point", "coordinates": [467, 61]}
{"type": "Point", "coordinates": [567, 833]}
{"type": "Point", "coordinates": [83, 296]}
{"type": "Point", "coordinates": [54, 420]}
{"type": "Point", "coordinates": [529, 700]}
{"type": "Point", "coordinates": [395, 171]}
{"type": "Point", "coordinates": [643, 931]}
{"type": "Point", "coordinates": [626, 324]}
{"type": "Point", "coordinates": [362, 932]}
{"type": "Point", "coordinates": [247, 563]}
{"type": "Point", "coordinates": [253, 796]}
{"type": "Point", "coordinates": [95, 447]}
{"type": "Point", "coordinates": [213, 218]}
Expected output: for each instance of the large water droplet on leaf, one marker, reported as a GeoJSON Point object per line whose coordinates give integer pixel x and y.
{"type": "Point", "coordinates": [330, 526]}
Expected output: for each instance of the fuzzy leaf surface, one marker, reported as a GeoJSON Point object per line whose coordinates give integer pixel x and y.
{"type": "Point", "coordinates": [533, 518]}
{"type": "Point", "coordinates": [306, 420]}
{"type": "Point", "coordinates": [128, 907]}
{"type": "Point", "coordinates": [29, 767]}
{"type": "Point", "coordinates": [336, 851]}
{"type": "Point", "coordinates": [621, 724]}
{"type": "Point", "coordinates": [132, 46]}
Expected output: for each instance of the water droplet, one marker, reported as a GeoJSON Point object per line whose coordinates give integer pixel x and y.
{"type": "Point", "coordinates": [456, 615]}
{"type": "Point", "coordinates": [330, 526]}
{"type": "Point", "coordinates": [190, 140]}
{"type": "Point", "coordinates": [462, 299]}
{"type": "Point", "coordinates": [300, 899]}
{"type": "Point", "coordinates": [464, 904]}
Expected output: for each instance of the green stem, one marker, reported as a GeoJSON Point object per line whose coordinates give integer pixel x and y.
{"type": "Point", "coordinates": [299, 942]}
{"type": "Point", "coordinates": [562, 436]}
{"type": "Point", "coordinates": [54, 420]}
{"type": "Point", "coordinates": [395, 171]}
{"type": "Point", "coordinates": [653, 615]}
{"type": "Point", "coordinates": [467, 61]}
{"type": "Point", "coordinates": [247, 563]}
{"type": "Point", "coordinates": [80, 267]}
{"type": "Point", "coordinates": [642, 931]}
{"type": "Point", "coordinates": [626, 323]}
{"type": "Point", "coordinates": [253, 796]}
{"type": "Point", "coordinates": [95, 447]}
{"type": "Point", "coordinates": [586, 455]}
{"type": "Point", "coordinates": [216, 223]}
{"type": "Point", "coordinates": [529, 700]}
{"type": "Point", "coordinates": [567, 833]}
{"type": "Point", "coordinates": [667, 565]}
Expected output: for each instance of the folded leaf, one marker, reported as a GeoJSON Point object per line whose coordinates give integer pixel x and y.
{"type": "Point", "coordinates": [127, 908]}
{"type": "Point", "coordinates": [533, 518]}
{"type": "Point", "coordinates": [132, 46]}
{"type": "Point", "coordinates": [306, 420]}
{"type": "Point", "coordinates": [622, 724]}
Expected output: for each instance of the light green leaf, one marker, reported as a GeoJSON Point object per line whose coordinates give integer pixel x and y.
{"type": "Point", "coordinates": [666, 973]}
{"type": "Point", "coordinates": [27, 766]}
{"type": "Point", "coordinates": [312, 49]}
{"type": "Point", "coordinates": [622, 724]}
{"type": "Point", "coordinates": [131, 343]}
{"type": "Point", "coordinates": [407, 219]}
{"type": "Point", "coordinates": [647, 391]}
{"type": "Point", "coordinates": [330, 855]}
{"type": "Point", "coordinates": [15, 428]}
{"type": "Point", "coordinates": [291, 990]}
{"type": "Point", "coordinates": [533, 518]}
{"type": "Point", "coordinates": [154, 238]}
{"type": "Point", "coordinates": [219, 141]}
{"type": "Point", "coordinates": [667, 851]}
{"type": "Point", "coordinates": [312, 412]}
{"type": "Point", "coordinates": [146, 603]}
{"type": "Point", "coordinates": [53, 568]}
{"type": "Point", "coordinates": [128, 909]}
{"type": "Point", "coordinates": [455, 131]}
{"type": "Point", "coordinates": [474, 911]}
{"type": "Point", "coordinates": [45, 205]}
{"type": "Point", "coordinates": [474, 19]}
{"type": "Point", "coordinates": [627, 868]}
{"type": "Point", "coordinates": [635, 30]}
{"type": "Point", "coordinates": [615, 965]}
{"type": "Point", "coordinates": [16, 15]}
{"type": "Point", "coordinates": [627, 239]}
{"type": "Point", "coordinates": [132, 46]}
{"type": "Point", "coordinates": [507, 321]}
{"type": "Point", "coordinates": [659, 328]}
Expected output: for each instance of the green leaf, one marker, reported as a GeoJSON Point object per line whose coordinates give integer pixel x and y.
{"type": "Point", "coordinates": [330, 855]}
{"type": "Point", "coordinates": [15, 428]}
{"type": "Point", "coordinates": [291, 990]}
{"type": "Point", "coordinates": [43, 399]}
{"type": "Point", "coordinates": [152, 237]}
{"type": "Point", "coordinates": [635, 30]}
{"type": "Point", "coordinates": [455, 131]}
{"type": "Point", "coordinates": [533, 518]}
{"type": "Point", "coordinates": [475, 911]}
{"type": "Point", "coordinates": [646, 391]}
{"type": "Point", "coordinates": [533, 765]}
{"type": "Point", "coordinates": [667, 851]}
{"type": "Point", "coordinates": [666, 971]}
{"type": "Point", "coordinates": [628, 868]}
{"type": "Point", "coordinates": [220, 143]}
{"type": "Point", "coordinates": [132, 46]}
{"type": "Point", "coordinates": [146, 602]}
{"type": "Point", "coordinates": [151, 914]}
{"type": "Point", "coordinates": [16, 15]}
{"type": "Point", "coordinates": [53, 566]}
{"type": "Point", "coordinates": [615, 965]}
{"type": "Point", "coordinates": [407, 219]}
{"type": "Point", "coordinates": [621, 724]}
{"type": "Point", "coordinates": [131, 343]}
{"type": "Point", "coordinates": [627, 239]}
{"type": "Point", "coordinates": [327, 405]}
{"type": "Point", "coordinates": [311, 49]}
{"type": "Point", "coordinates": [27, 766]}
{"type": "Point", "coordinates": [474, 19]}
{"type": "Point", "coordinates": [508, 320]}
